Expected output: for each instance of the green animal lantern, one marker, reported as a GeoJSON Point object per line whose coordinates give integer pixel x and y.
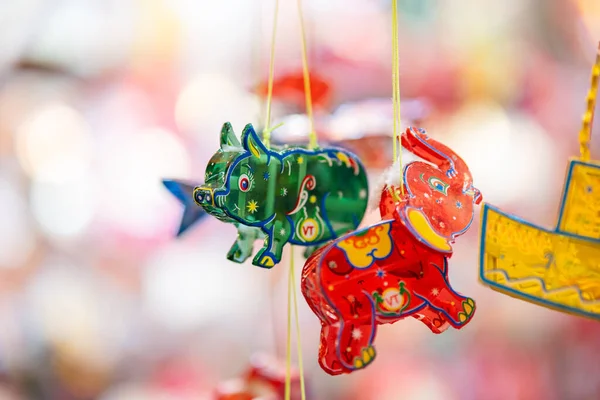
{"type": "Point", "coordinates": [284, 195]}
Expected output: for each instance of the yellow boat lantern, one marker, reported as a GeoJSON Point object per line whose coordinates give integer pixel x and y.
{"type": "Point", "coordinates": [560, 268]}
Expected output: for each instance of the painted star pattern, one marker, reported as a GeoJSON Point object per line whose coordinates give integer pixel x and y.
{"type": "Point", "coordinates": [380, 273]}
{"type": "Point", "coordinates": [356, 334]}
{"type": "Point", "coordinates": [266, 176]}
{"type": "Point", "coordinates": [282, 232]}
{"type": "Point", "coordinates": [252, 206]}
{"type": "Point", "coordinates": [284, 192]}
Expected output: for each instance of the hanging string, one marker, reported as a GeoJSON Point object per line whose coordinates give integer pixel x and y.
{"type": "Point", "coordinates": [262, 115]}
{"type": "Point", "coordinates": [267, 130]}
{"type": "Point", "coordinates": [273, 307]}
{"type": "Point", "coordinates": [298, 342]}
{"type": "Point", "coordinates": [585, 133]}
{"type": "Point", "coordinates": [312, 144]}
{"type": "Point", "coordinates": [396, 143]}
{"type": "Point", "coordinates": [267, 141]}
{"type": "Point", "coordinates": [312, 138]}
{"type": "Point", "coordinates": [292, 284]}
{"type": "Point", "coordinates": [288, 347]}
{"type": "Point", "coordinates": [257, 59]}
{"type": "Point", "coordinates": [394, 70]}
{"type": "Point", "coordinates": [292, 294]}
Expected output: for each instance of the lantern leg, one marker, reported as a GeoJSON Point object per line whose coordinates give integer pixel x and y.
{"type": "Point", "coordinates": [329, 359]}
{"type": "Point", "coordinates": [459, 309]}
{"type": "Point", "coordinates": [435, 289]}
{"type": "Point", "coordinates": [244, 244]}
{"type": "Point", "coordinates": [433, 319]}
{"type": "Point", "coordinates": [277, 233]}
{"type": "Point", "coordinates": [357, 335]}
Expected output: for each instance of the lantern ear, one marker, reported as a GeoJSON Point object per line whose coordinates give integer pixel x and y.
{"type": "Point", "coordinates": [252, 143]}
{"type": "Point", "coordinates": [228, 136]}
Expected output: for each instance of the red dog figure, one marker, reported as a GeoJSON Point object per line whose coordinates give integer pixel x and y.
{"type": "Point", "coordinates": [398, 267]}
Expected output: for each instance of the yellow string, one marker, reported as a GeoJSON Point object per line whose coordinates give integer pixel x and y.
{"type": "Point", "coordinates": [299, 344]}
{"type": "Point", "coordinates": [267, 131]}
{"type": "Point", "coordinates": [307, 93]}
{"type": "Point", "coordinates": [396, 143]}
{"type": "Point", "coordinates": [291, 283]}
{"type": "Point", "coordinates": [312, 144]}
{"type": "Point", "coordinates": [292, 293]}
{"type": "Point", "coordinates": [288, 350]}
{"type": "Point", "coordinates": [394, 77]}
{"type": "Point", "coordinates": [588, 118]}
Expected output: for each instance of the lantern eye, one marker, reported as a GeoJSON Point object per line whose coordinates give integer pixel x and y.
{"type": "Point", "coordinates": [244, 183]}
{"type": "Point", "coordinates": [438, 185]}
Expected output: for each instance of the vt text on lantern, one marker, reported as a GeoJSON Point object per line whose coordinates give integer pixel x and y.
{"type": "Point", "coordinates": [285, 195]}
{"type": "Point", "coordinates": [555, 268]}
{"type": "Point", "coordinates": [398, 267]}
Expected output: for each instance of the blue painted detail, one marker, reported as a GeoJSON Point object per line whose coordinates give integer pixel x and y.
{"type": "Point", "coordinates": [373, 317]}
{"type": "Point", "coordinates": [516, 293]}
{"type": "Point", "coordinates": [325, 217]}
{"type": "Point", "coordinates": [192, 213]}
{"type": "Point", "coordinates": [355, 221]}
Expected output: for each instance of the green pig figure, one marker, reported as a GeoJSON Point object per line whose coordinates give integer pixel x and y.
{"type": "Point", "coordinates": [284, 195]}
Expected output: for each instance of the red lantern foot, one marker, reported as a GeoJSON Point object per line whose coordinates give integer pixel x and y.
{"type": "Point", "coordinates": [265, 380]}
{"type": "Point", "coordinates": [398, 267]}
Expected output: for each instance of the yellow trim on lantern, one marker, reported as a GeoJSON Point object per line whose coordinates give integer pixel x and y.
{"type": "Point", "coordinates": [423, 228]}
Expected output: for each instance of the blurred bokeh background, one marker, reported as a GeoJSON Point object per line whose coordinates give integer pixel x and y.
{"type": "Point", "coordinates": [100, 99]}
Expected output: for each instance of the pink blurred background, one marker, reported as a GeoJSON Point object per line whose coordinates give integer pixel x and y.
{"type": "Point", "coordinates": [99, 100]}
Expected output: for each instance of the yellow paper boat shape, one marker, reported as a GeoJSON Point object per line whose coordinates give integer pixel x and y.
{"type": "Point", "coordinates": [560, 268]}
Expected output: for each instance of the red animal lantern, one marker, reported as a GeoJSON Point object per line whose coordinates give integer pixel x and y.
{"type": "Point", "coordinates": [265, 380]}
{"type": "Point", "coordinates": [398, 267]}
